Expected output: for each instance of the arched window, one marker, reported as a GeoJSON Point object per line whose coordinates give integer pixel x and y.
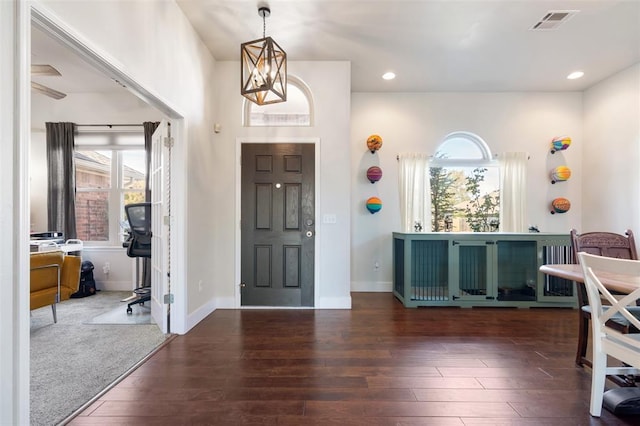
{"type": "Point", "coordinates": [465, 185]}
{"type": "Point", "coordinates": [463, 147]}
{"type": "Point", "coordinates": [296, 111]}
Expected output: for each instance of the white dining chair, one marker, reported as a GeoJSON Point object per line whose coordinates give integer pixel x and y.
{"type": "Point", "coordinates": [606, 340]}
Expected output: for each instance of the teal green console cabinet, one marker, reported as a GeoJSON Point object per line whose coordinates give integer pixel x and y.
{"type": "Point", "coordinates": [480, 269]}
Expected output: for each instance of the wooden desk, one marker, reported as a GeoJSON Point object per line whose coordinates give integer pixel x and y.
{"type": "Point", "coordinates": [617, 283]}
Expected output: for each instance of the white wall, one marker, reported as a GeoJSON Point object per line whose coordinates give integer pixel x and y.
{"type": "Point", "coordinates": [611, 179]}
{"type": "Point", "coordinates": [329, 83]}
{"type": "Point", "coordinates": [154, 44]}
{"type": "Point", "coordinates": [418, 123]}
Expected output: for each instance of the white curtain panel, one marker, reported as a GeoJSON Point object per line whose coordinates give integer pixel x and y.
{"type": "Point", "coordinates": [513, 191]}
{"type": "Point", "coordinates": [415, 191]}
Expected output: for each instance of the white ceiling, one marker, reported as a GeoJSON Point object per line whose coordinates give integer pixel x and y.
{"type": "Point", "coordinates": [77, 75]}
{"type": "Point", "coordinates": [431, 45]}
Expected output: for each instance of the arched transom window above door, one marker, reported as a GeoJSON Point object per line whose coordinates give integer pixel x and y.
{"type": "Point", "coordinates": [296, 111]}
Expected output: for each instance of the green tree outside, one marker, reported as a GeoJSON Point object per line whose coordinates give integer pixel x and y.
{"type": "Point", "coordinates": [442, 196]}
{"type": "Point", "coordinates": [483, 209]}
{"type": "Point", "coordinates": [459, 195]}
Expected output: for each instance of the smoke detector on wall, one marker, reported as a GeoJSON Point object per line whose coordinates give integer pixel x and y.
{"type": "Point", "coordinates": [553, 18]}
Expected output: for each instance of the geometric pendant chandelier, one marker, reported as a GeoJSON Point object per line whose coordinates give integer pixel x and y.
{"type": "Point", "coordinates": [263, 74]}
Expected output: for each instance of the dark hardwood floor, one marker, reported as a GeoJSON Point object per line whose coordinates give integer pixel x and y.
{"type": "Point", "coordinates": [377, 364]}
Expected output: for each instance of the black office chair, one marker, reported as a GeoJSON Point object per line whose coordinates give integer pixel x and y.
{"type": "Point", "coordinates": [139, 245]}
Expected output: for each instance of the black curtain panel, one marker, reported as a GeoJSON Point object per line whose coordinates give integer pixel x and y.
{"type": "Point", "coordinates": [62, 179]}
{"type": "Point", "coordinates": [149, 128]}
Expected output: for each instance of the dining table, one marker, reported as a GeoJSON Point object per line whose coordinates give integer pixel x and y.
{"type": "Point", "coordinates": [621, 284]}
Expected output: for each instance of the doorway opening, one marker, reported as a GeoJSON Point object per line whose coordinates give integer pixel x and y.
{"type": "Point", "coordinates": [86, 57]}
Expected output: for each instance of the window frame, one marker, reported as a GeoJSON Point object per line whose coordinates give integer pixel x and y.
{"type": "Point", "coordinates": [116, 189]}
{"type": "Point", "coordinates": [487, 160]}
{"type": "Point", "coordinates": [292, 81]}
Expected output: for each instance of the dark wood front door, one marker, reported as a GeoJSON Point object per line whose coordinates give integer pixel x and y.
{"type": "Point", "coordinates": [277, 224]}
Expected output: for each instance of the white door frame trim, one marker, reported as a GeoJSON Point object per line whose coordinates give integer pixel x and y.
{"type": "Point", "coordinates": [15, 52]}
{"type": "Point", "coordinates": [318, 224]}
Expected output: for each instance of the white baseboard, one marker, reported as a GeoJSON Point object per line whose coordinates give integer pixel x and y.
{"type": "Point", "coordinates": [333, 303]}
{"type": "Point", "coordinates": [372, 286]}
{"type": "Point", "coordinates": [114, 285]}
{"type": "Point", "coordinates": [229, 303]}
{"type": "Point", "coordinates": [225, 303]}
{"type": "Point", "coordinates": [199, 314]}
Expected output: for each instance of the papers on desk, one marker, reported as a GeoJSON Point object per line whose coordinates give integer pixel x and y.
{"type": "Point", "coordinates": [70, 245]}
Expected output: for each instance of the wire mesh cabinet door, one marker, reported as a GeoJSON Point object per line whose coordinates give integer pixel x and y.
{"type": "Point", "coordinates": [472, 269]}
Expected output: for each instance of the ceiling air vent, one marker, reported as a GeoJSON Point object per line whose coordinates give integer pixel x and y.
{"type": "Point", "coordinates": [553, 18]}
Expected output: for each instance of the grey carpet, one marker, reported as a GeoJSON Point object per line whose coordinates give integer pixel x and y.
{"type": "Point", "coordinates": [141, 314]}
{"type": "Point", "coordinates": [73, 360]}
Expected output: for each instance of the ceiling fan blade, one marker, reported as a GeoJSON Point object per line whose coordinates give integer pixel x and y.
{"type": "Point", "coordinates": [47, 91]}
{"type": "Point", "coordinates": [44, 70]}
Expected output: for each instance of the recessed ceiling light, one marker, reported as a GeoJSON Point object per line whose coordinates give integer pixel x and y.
{"type": "Point", "coordinates": [389, 75]}
{"type": "Point", "coordinates": [575, 74]}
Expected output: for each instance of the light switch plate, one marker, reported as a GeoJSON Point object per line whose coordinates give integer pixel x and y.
{"type": "Point", "coordinates": [329, 218]}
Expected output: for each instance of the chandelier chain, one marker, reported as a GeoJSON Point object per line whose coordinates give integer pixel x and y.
{"type": "Point", "coordinates": [264, 26]}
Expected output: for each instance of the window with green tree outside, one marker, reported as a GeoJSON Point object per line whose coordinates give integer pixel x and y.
{"type": "Point", "coordinates": [465, 187]}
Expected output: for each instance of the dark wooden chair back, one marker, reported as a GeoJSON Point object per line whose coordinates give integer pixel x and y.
{"type": "Point", "coordinates": [608, 244]}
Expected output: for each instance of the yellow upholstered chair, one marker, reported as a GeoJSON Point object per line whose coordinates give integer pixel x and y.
{"type": "Point", "coordinates": [54, 278]}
